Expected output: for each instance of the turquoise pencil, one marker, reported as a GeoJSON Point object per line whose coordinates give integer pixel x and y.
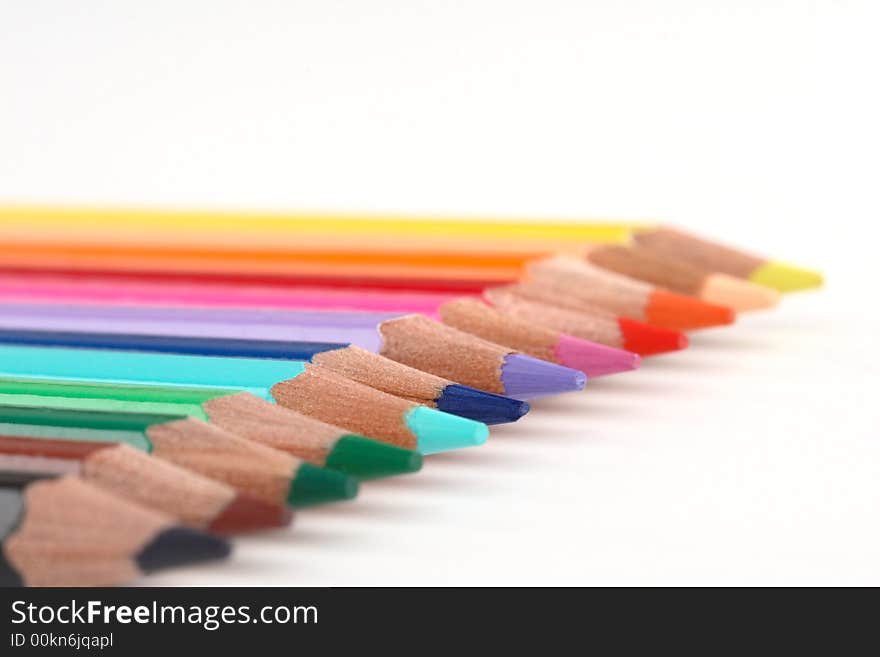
{"type": "Point", "coordinates": [309, 389]}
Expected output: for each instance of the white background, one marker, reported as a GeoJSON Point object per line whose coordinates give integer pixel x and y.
{"type": "Point", "coordinates": [752, 458]}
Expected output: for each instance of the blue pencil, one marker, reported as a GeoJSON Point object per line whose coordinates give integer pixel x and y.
{"type": "Point", "coordinates": [353, 362]}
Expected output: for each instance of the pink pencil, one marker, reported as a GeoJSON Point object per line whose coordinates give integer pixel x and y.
{"type": "Point", "coordinates": [467, 314]}
{"type": "Point", "coordinates": [18, 287]}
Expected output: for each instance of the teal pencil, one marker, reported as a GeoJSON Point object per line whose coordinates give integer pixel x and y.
{"type": "Point", "coordinates": [303, 387]}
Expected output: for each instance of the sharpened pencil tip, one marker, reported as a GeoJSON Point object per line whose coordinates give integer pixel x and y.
{"type": "Point", "coordinates": [786, 278]}
{"type": "Point", "coordinates": [313, 485]}
{"type": "Point", "coordinates": [682, 313]}
{"type": "Point", "coordinates": [592, 358]}
{"type": "Point", "coordinates": [525, 377]}
{"type": "Point", "coordinates": [246, 513]}
{"type": "Point", "coordinates": [179, 546]}
{"type": "Point", "coordinates": [437, 431]}
{"type": "Point", "coordinates": [739, 294]}
{"type": "Point", "coordinates": [479, 405]}
{"type": "Point", "coordinates": [364, 458]}
{"type": "Point", "coordinates": [647, 340]}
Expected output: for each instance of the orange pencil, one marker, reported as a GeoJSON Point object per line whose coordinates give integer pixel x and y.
{"type": "Point", "coordinates": [573, 283]}
{"type": "Point", "coordinates": [671, 309]}
{"type": "Point", "coordinates": [129, 228]}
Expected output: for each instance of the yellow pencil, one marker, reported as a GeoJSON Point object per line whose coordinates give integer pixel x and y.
{"type": "Point", "coordinates": [215, 228]}
{"type": "Point", "coordinates": [277, 233]}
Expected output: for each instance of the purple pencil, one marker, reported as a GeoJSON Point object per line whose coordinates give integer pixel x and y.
{"type": "Point", "coordinates": [412, 340]}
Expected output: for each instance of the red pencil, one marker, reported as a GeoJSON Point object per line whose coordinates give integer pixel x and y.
{"type": "Point", "coordinates": [597, 326]}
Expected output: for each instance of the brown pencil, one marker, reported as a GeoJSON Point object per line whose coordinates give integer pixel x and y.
{"type": "Point", "coordinates": [68, 532]}
{"type": "Point", "coordinates": [192, 499]}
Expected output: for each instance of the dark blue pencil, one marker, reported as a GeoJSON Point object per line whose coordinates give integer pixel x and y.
{"type": "Point", "coordinates": [351, 361]}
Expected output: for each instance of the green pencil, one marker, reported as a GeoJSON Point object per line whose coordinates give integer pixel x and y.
{"type": "Point", "coordinates": [187, 441]}
{"type": "Point", "coordinates": [241, 413]}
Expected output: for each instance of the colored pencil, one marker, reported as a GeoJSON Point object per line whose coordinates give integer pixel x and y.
{"type": "Point", "coordinates": [477, 318]}
{"type": "Point", "coordinates": [67, 532]}
{"type": "Point", "coordinates": [460, 270]}
{"type": "Point", "coordinates": [636, 262]}
{"type": "Point", "coordinates": [352, 362]}
{"type": "Point", "coordinates": [318, 443]}
{"type": "Point", "coordinates": [501, 267]}
{"type": "Point", "coordinates": [710, 256]}
{"type": "Point", "coordinates": [120, 226]}
{"type": "Point", "coordinates": [263, 472]}
{"type": "Point", "coordinates": [421, 387]}
{"type": "Point", "coordinates": [571, 282]}
{"type": "Point", "coordinates": [78, 314]}
{"type": "Point", "coordinates": [192, 499]}
{"type": "Point", "coordinates": [85, 284]}
{"type": "Point", "coordinates": [121, 229]}
{"type": "Point", "coordinates": [604, 328]}
{"type": "Point", "coordinates": [605, 290]}
{"type": "Point", "coordinates": [69, 288]}
{"type": "Point", "coordinates": [310, 389]}
{"type": "Point", "coordinates": [417, 342]}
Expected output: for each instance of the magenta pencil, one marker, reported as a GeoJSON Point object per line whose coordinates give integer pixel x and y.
{"type": "Point", "coordinates": [475, 317]}
{"type": "Point", "coordinates": [107, 290]}
{"type": "Point", "coordinates": [471, 316]}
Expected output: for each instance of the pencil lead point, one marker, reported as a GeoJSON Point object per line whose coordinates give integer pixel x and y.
{"type": "Point", "coordinates": [247, 513]}
{"type": "Point", "coordinates": [179, 546]}
{"type": "Point", "coordinates": [313, 485]}
{"type": "Point", "coordinates": [525, 377]}
{"type": "Point", "coordinates": [682, 313]}
{"type": "Point", "coordinates": [364, 458]}
{"type": "Point", "coordinates": [786, 278]}
{"type": "Point", "coordinates": [594, 359]}
{"type": "Point", "coordinates": [647, 340]}
{"type": "Point", "coordinates": [437, 431]}
{"type": "Point", "coordinates": [742, 295]}
{"type": "Point", "coordinates": [480, 405]}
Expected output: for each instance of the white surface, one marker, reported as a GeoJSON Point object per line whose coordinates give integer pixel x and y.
{"type": "Point", "coordinates": [751, 458]}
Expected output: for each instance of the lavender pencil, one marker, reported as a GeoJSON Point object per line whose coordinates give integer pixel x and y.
{"type": "Point", "coordinates": [412, 340]}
